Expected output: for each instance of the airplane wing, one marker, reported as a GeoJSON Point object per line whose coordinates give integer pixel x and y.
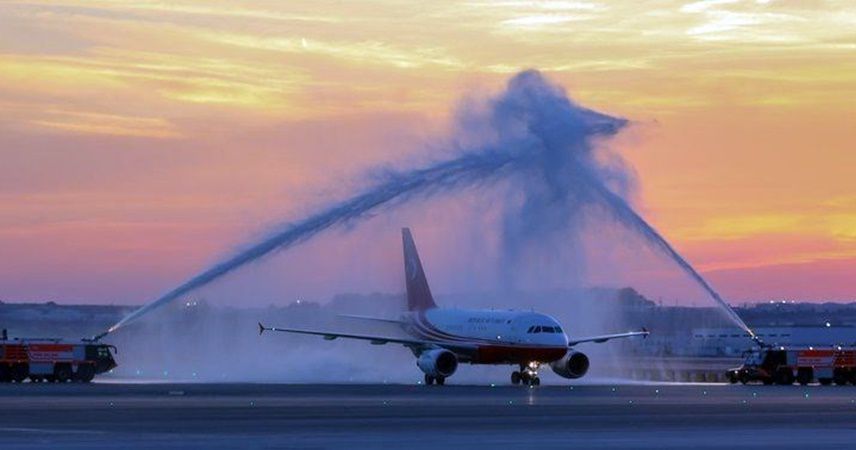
{"type": "Point", "coordinates": [374, 339]}
{"type": "Point", "coordinates": [603, 338]}
{"type": "Point", "coordinates": [376, 319]}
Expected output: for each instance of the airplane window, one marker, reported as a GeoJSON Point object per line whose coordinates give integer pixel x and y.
{"type": "Point", "coordinates": [537, 329]}
{"type": "Point", "coordinates": [549, 329]}
{"type": "Point", "coordinates": [531, 329]}
{"type": "Point", "coordinates": [557, 329]}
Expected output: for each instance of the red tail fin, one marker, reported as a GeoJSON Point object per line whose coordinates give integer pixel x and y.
{"type": "Point", "coordinates": [418, 293]}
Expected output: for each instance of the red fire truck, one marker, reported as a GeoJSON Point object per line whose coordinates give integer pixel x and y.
{"type": "Point", "coordinates": [783, 365]}
{"type": "Point", "coordinates": [53, 360]}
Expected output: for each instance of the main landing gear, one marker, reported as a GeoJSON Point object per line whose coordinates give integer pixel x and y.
{"type": "Point", "coordinates": [429, 380]}
{"type": "Point", "coordinates": [527, 375]}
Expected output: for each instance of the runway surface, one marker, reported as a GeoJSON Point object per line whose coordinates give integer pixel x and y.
{"type": "Point", "coordinates": [172, 416]}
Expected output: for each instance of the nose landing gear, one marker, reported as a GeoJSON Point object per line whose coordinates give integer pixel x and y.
{"type": "Point", "coordinates": [527, 375]}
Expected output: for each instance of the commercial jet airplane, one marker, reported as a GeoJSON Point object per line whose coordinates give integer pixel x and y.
{"type": "Point", "coordinates": [441, 338]}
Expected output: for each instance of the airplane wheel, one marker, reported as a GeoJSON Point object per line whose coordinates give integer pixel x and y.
{"type": "Point", "coordinates": [441, 381]}
{"type": "Point", "coordinates": [515, 378]}
{"type": "Point", "coordinates": [429, 380]}
{"type": "Point", "coordinates": [536, 381]}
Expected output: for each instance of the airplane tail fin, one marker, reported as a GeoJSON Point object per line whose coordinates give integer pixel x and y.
{"type": "Point", "coordinates": [418, 293]}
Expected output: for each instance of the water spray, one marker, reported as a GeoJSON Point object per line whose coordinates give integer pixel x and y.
{"type": "Point", "coordinates": [531, 135]}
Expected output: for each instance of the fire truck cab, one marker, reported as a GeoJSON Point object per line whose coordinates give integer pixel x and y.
{"type": "Point", "coordinates": [53, 360]}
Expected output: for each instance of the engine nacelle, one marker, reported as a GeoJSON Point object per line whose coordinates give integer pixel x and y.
{"type": "Point", "coordinates": [437, 363]}
{"type": "Point", "coordinates": [572, 365]}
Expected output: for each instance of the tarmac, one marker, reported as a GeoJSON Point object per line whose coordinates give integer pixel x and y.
{"type": "Point", "coordinates": [276, 416]}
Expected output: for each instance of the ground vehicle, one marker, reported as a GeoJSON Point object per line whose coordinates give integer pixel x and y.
{"type": "Point", "coordinates": [782, 365]}
{"type": "Point", "coordinates": [53, 360]}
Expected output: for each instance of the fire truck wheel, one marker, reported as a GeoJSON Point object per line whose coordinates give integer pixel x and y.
{"type": "Point", "coordinates": [840, 377]}
{"type": "Point", "coordinates": [744, 378]}
{"type": "Point", "coordinates": [785, 376]}
{"type": "Point", "coordinates": [5, 373]}
{"type": "Point", "coordinates": [62, 372]}
{"type": "Point", "coordinates": [804, 375]}
{"type": "Point", "coordinates": [85, 373]}
{"type": "Point", "coordinates": [35, 379]}
{"type": "Point", "coordinates": [20, 372]}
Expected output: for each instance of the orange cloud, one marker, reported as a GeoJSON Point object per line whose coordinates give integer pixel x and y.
{"type": "Point", "coordinates": [743, 110]}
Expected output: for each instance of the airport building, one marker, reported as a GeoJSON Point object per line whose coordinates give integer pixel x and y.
{"type": "Point", "coordinates": [733, 342]}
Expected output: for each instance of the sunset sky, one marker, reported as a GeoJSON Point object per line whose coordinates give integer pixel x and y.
{"type": "Point", "coordinates": [140, 140]}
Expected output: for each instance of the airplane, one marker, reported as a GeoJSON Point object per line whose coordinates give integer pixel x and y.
{"type": "Point", "coordinates": [441, 338]}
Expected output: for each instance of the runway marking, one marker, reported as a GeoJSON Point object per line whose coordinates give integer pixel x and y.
{"type": "Point", "coordinates": [48, 431]}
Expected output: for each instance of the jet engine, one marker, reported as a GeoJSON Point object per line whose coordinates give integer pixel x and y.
{"type": "Point", "coordinates": [573, 365]}
{"type": "Point", "coordinates": [437, 363]}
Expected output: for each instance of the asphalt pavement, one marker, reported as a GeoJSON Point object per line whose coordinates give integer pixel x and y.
{"type": "Point", "coordinates": [274, 416]}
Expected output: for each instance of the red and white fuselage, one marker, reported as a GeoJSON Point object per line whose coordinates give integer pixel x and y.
{"type": "Point", "coordinates": [497, 337]}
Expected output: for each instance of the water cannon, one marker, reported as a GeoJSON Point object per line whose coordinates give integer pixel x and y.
{"type": "Point", "coordinates": [757, 340]}
{"type": "Point", "coordinates": [96, 338]}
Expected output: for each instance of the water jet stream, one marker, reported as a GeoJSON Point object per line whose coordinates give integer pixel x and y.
{"type": "Point", "coordinates": [532, 135]}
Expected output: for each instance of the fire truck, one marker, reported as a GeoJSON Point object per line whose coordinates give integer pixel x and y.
{"type": "Point", "coordinates": [783, 365]}
{"type": "Point", "coordinates": [53, 360]}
